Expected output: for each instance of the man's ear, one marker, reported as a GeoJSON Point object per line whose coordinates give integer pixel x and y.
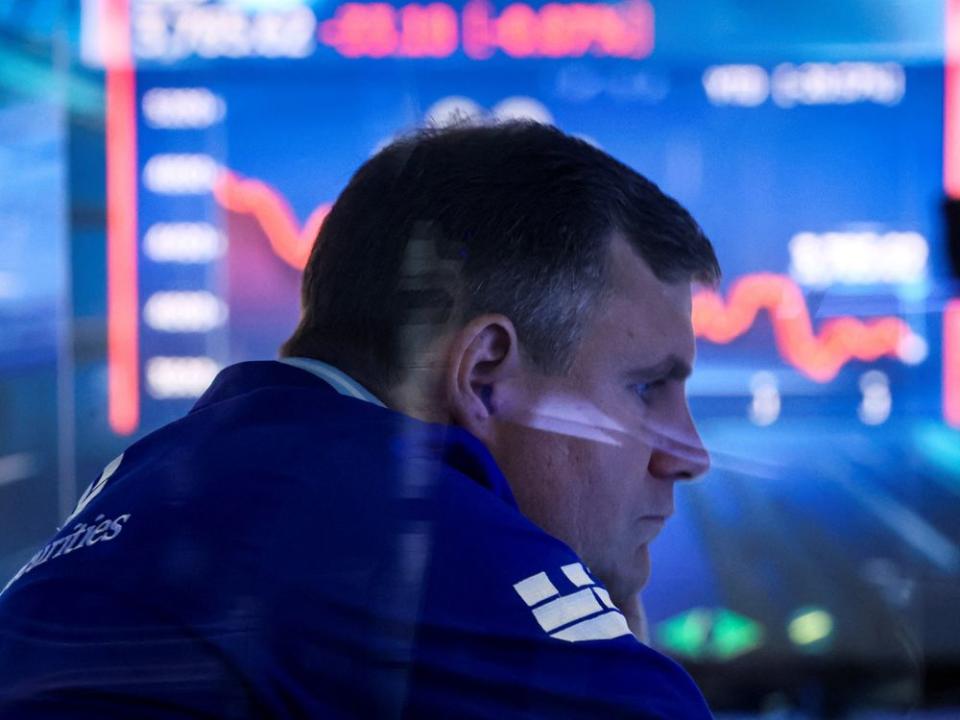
{"type": "Point", "coordinates": [483, 372]}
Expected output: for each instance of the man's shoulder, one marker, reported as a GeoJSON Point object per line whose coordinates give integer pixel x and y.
{"type": "Point", "coordinates": [273, 456]}
{"type": "Point", "coordinates": [268, 417]}
{"type": "Point", "coordinates": [284, 517]}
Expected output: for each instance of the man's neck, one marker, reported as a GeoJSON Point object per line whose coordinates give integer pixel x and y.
{"type": "Point", "coordinates": [632, 609]}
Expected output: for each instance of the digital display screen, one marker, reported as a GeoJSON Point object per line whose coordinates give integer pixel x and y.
{"type": "Point", "coordinates": [827, 383]}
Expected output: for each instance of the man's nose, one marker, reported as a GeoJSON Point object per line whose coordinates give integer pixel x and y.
{"type": "Point", "coordinates": [678, 452]}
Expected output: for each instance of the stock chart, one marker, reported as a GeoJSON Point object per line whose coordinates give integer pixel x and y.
{"type": "Point", "coordinates": [827, 384]}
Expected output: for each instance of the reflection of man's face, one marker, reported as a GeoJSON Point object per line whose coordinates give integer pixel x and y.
{"type": "Point", "coordinates": [593, 456]}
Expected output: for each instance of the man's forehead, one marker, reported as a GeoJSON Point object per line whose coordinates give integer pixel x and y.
{"type": "Point", "coordinates": [653, 317]}
{"type": "Point", "coordinates": [631, 274]}
{"type": "Point", "coordinates": [631, 278]}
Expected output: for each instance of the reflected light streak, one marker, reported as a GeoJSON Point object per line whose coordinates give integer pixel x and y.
{"type": "Point", "coordinates": [576, 417]}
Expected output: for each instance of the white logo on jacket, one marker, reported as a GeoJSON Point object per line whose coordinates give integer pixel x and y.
{"type": "Point", "coordinates": [585, 613]}
{"type": "Point", "coordinates": [103, 529]}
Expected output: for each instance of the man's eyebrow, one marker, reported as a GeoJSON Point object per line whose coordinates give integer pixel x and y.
{"type": "Point", "coordinates": [672, 367]}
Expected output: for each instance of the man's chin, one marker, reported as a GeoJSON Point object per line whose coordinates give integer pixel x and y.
{"type": "Point", "coordinates": [625, 586]}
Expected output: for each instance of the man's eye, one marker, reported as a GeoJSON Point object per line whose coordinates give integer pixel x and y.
{"type": "Point", "coordinates": [646, 390]}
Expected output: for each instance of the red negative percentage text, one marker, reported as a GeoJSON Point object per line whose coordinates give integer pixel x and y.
{"type": "Point", "coordinates": [553, 30]}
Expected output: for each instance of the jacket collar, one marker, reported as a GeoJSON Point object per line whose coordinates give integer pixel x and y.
{"type": "Point", "coordinates": [339, 380]}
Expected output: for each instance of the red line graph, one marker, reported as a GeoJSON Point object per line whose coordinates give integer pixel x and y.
{"type": "Point", "coordinates": [820, 356]}
{"type": "Point", "coordinates": [289, 241]}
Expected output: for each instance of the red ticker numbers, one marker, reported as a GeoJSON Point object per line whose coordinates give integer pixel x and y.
{"type": "Point", "coordinates": [427, 31]}
{"type": "Point", "coordinates": [554, 30]}
{"type": "Point", "coordinates": [381, 30]}
{"type": "Point", "coordinates": [559, 30]}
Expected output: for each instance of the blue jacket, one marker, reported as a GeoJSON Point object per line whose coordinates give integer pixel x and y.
{"type": "Point", "coordinates": [286, 550]}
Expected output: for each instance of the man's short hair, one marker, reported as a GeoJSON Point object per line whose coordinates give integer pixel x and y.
{"type": "Point", "coordinates": [445, 224]}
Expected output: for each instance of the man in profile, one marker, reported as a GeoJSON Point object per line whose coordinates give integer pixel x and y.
{"type": "Point", "coordinates": [439, 502]}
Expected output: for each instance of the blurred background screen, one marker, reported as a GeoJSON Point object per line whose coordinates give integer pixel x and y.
{"type": "Point", "coordinates": [165, 165]}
